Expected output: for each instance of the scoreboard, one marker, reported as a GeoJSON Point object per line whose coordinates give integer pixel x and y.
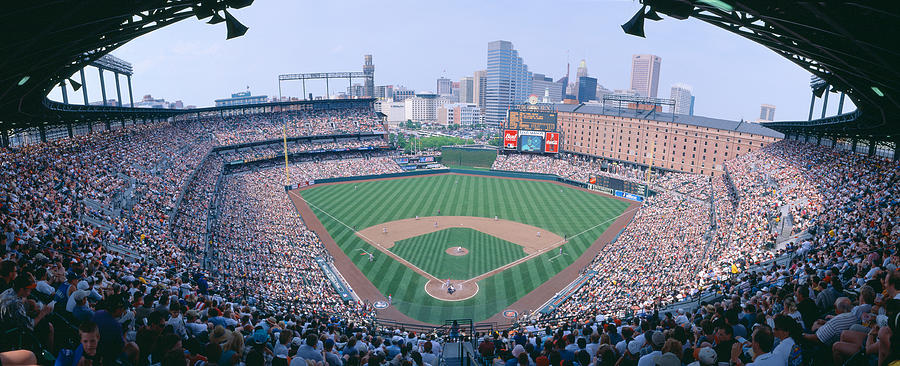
{"type": "Point", "coordinates": [531, 120]}
{"type": "Point", "coordinates": [635, 188]}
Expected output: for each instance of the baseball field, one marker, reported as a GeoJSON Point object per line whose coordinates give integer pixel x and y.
{"type": "Point", "coordinates": [494, 240]}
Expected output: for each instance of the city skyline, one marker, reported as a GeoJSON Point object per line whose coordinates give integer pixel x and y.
{"type": "Point", "coordinates": [191, 61]}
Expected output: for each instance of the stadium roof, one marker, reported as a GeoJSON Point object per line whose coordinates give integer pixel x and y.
{"type": "Point", "coordinates": [722, 124]}
{"type": "Point", "coordinates": [46, 41]}
{"type": "Point", "coordinates": [849, 44]}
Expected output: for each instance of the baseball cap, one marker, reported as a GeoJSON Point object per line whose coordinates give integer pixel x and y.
{"type": "Point", "coordinates": [658, 339]}
{"type": "Point", "coordinates": [634, 347]}
{"type": "Point", "coordinates": [706, 356]}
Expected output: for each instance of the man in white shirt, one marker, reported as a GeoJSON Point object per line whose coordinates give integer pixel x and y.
{"type": "Point", "coordinates": [762, 349]}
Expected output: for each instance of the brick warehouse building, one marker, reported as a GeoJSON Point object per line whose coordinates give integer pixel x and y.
{"type": "Point", "coordinates": [691, 144]}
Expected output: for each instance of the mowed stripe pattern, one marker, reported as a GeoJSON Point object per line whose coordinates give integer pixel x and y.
{"type": "Point", "coordinates": [562, 210]}
{"type": "Point", "coordinates": [429, 252]}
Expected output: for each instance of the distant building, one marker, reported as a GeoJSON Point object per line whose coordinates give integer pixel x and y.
{"type": "Point", "coordinates": [454, 92]}
{"type": "Point", "coordinates": [242, 98]}
{"type": "Point", "coordinates": [467, 90]}
{"type": "Point", "coordinates": [508, 81]}
{"type": "Point", "coordinates": [463, 114]}
{"type": "Point", "coordinates": [395, 111]}
{"type": "Point", "coordinates": [690, 144]}
{"type": "Point", "coordinates": [422, 107]}
{"type": "Point", "coordinates": [681, 93]}
{"type": "Point", "coordinates": [587, 88]}
{"type": "Point", "coordinates": [401, 93]}
{"type": "Point", "coordinates": [369, 70]}
{"type": "Point", "coordinates": [767, 112]}
{"type": "Point", "coordinates": [541, 84]}
{"type": "Point", "coordinates": [384, 92]}
{"type": "Point", "coordinates": [645, 74]}
{"type": "Point", "coordinates": [601, 91]}
{"type": "Point", "coordinates": [444, 86]}
{"type": "Point", "coordinates": [356, 90]}
{"type": "Point", "coordinates": [582, 69]}
{"type": "Point", "coordinates": [479, 85]}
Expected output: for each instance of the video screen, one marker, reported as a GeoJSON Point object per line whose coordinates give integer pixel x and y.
{"type": "Point", "coordinates": [531, 143]}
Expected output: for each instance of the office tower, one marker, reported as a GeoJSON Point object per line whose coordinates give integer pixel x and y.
{"type": "Point", "coordinates": [681, 93]}
{"type": "Point", "coordinates": [582, 69]}
{"type": "Point", "coordinates": [767, 112]}
{"type": "Point", "coordinates": [369, 70]}
{"type": "Point", "coordinates": [444, 86]}
{"type": "Point", "coordinates": [479, 85]}
{"type": "Point", "coordinates": [587, 89]}
{"type": "Point", "coordinates": [466, 88]}
{"type": "Point", "coordinates": [541, 84]}
{"type": "Point", "coordinates": [508, 81]}
{"type": "Point", "coordinates": [645, 74]}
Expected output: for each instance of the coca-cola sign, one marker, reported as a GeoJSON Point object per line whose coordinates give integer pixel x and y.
{"type": "Point", "coordinates": [510, 139]}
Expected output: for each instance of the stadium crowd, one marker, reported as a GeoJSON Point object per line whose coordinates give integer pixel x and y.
{"type": "Point", "coordinates": [232, 130]}
{"type": "Point", "coordinates": [151, 190]}
{"type": "Point", "coordinates": [836, 299]}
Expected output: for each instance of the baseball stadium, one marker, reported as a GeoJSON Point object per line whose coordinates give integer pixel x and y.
{"type": "Point", "coordinates": [315, 229]}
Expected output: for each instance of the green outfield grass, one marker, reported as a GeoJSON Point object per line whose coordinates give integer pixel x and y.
{"type": "Point", "coordinates": [486, 253]}
{"type": "Point", "coordinates": [552, 207]}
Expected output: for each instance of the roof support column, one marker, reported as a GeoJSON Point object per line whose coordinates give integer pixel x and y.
{"type": "Point", "coordinates": [872, 148]}
{"type": "Point", "coordinates": [118, 92]}
{"type": "Point", "coordinates": [812, 103]}
{"type": "Point", "coordinates": [62, 87]}
{"type": "Point", "coordinates": [130, 95]}
{"type": "Point", "coordinates": [853, 144]}
{"type": "Point", "coordinates": [841, 103]}
{"type": "Point", "coordinates": [102, 88]}
{"type": "Point", "coordinates": [69, 129]}
{"type": "Point", "coordinates": [825, 103]}
{"type": "Point", "coordinates": [4, 138]}
{"type": "Point", "coordinates": [83, 87]}
{"type": "Point", "coordinates": [42, 131]}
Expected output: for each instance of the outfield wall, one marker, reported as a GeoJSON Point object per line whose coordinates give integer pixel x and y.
{"type": "Point", "coordinates": [486, 173]}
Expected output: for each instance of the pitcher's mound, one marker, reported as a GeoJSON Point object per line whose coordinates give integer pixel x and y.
{"type": "Point", "coordinates": [457, 251]}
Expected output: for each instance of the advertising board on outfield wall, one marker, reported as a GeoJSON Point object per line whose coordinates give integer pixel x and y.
{"type": "Point", "coordinates": [531, 141]}
{"type": "Point", "coordinates": [510, 139]}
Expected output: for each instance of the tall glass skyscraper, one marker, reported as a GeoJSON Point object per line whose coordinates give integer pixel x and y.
{"type": "Point", "coordinates": [508, 81]}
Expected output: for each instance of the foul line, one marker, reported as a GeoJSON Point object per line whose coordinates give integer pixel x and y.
{"type": "Point", "coordinates": [376, 244]}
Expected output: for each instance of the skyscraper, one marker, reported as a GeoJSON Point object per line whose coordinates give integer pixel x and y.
{"type": "Point", "coordinates": [767, 112]}
{"type": "Point", "coordinates": [681, 93]}
{"type": "Point", "coordinates": [479, 86]}
{"type": "Point", "coordinates": [508, 81]}
{"type": "Point", "coordinates": [587, 89]}
{"type": "Point", "coordinates": [466, 90]}
{"type": "Point", "coordinates": [645, 74]}
{"type": "Point", "coordinates": [369, 70]}
{"type": "Point", "coordinates": [582, 69]}
{"type": "Point", "coordinates": [444, 86]}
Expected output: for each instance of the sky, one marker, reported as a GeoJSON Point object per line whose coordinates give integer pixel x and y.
{"type": "Point", "coordinates": [415, 42]}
